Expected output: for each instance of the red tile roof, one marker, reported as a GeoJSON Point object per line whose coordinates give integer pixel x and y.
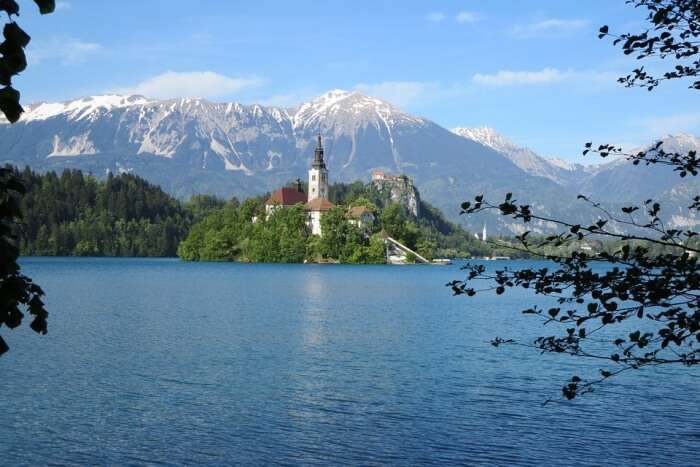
{"type": "Point", "coordinates": [287, 197]}
{"type": "Point", "coordinates": [319, 204]}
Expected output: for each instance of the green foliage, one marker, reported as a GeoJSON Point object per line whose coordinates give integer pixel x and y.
{"type": "Point", "coordinates": [398, 224]}
{"type": "Point", "coordinates": [340, 238]}
{"type": "Point", "coordinates": [426, 248]}
{"type": "Point", "coordinates": [346, 193]}
{"type": "Point", "coordinates": [17, 291]}
{"type": "Point", "coordinates": [281, 238]}
{"type": "Point", "coordinates": [201, 205]}
{"type": "Point", "coordinates": [75, 215]}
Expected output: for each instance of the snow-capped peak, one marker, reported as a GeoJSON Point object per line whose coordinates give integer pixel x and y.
{"type": "Point", "coordinates": [339, 99]}
{"type": "Point", "coordinates": [81, 108]}
{"type": "Point", "coordinates": [353, 106]}
{"type": "Point", "coordinates": [555, 169]}
{"type": "Point", "coordinates": [488, 137]}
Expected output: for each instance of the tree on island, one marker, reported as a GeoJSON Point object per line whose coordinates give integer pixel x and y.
{"type": "Point", "coordinates": [16, 289]}
{"type": "Point", "coordinates": [642, 308]}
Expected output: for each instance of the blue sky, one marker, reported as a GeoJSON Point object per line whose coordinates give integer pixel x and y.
{"type": "Point", "coordinates": [534, 70]}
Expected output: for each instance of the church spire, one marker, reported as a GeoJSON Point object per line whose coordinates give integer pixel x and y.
{"type": "Point", "coordinates": [319, 163]}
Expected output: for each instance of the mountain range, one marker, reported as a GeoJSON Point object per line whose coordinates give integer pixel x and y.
{"type": "Point", "coordinates": [191, 146]}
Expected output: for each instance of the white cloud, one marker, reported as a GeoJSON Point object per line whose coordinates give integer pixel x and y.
{"type": "Point", "coordinates": [671, 124]}
{"type": "Point", "coordinates": [204, 84]}
{"type": "Point", "coordinates": [549, 26]}
{"type": "Point", "coordinates": [436, 17]}
{"type": "Point", "coordinates": [514, 78]}
{"type": "Point", "coordinates": [467, 17]}
{"type": "Point", "coordinates": [67, 51]}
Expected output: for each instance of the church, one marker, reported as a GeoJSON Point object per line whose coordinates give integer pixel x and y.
{"type": "Point", "coordinates": [316, 202]}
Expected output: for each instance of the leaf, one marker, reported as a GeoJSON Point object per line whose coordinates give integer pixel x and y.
{"type": "Point", "coordinates": [46, 6]}
{"type": "Point", "coordinates": [14, 318]}
{"type": "Point", "coordinates": [9, 6]}
{"type": "Point", "coordinates": [13, 33]}
{"type": "Point", "coordinates": [9, 103]}
{"type": "Point", "coordinates": [39, 325]}
{"type": "Point", "coordinates": [15, 62]}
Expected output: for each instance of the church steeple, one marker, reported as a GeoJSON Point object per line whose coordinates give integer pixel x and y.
{"type": "Point", "coordinates": [319, 163]}
{"type": "Point", "coordinates": [318, 174]}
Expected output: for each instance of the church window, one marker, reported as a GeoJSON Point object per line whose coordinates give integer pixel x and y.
{"type": "Point", "coordinates": [313, 178]}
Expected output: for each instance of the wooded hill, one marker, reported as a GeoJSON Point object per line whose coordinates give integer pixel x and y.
{"type": "Point", "coordinates": [74, 214]}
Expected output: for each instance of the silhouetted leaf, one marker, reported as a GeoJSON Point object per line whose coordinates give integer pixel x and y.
{"type": "Point", "coordinates": [46, 6]}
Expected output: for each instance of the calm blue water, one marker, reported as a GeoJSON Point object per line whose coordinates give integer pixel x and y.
{"type": "Point", "coordinates": [158, 362]}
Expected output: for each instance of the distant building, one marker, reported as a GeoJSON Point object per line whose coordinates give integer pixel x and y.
{"type": "Point", "coordinates": [361, 217]}
{"type": "Point", "coordinates": [380, 176]}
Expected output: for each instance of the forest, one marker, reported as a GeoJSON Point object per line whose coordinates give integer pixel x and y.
{"type": "Point", "coordinates": [75, 214]}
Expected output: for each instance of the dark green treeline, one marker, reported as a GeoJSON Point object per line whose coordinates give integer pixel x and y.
{"type": "Point", "coordinates": [74, 214]}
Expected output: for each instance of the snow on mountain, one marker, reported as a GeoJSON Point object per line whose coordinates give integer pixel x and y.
{"type": "Point", "coordinates": [557, 170]}
{"type": "Point", "coordinates": [81, 108]}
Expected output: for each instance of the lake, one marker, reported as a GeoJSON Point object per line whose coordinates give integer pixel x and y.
{"type": "Point", "coordinates": [161, 362]}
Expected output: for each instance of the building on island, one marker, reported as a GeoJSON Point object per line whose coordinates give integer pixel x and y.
{"type": "Point", "coordinates": [285, 197]}
{"type": "Point", "coordinates": [361, 217]}
{"type": "Point", "coordinates": [316, 202]}
{"type": "Point", "coordinates": [380, 176]}
{"type": "Point", "coordinates": [318, 175]}
{"type": "Point", "coordinates": [315, 210]}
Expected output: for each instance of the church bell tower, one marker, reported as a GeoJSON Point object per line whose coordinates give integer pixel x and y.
{"type": "Point", "coordinates": [318, 175]}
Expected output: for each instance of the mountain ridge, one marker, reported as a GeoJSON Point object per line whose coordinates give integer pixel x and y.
{"type": "Point", "coordinates": [192, 145]}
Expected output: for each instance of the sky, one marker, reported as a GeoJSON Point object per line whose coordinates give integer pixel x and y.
{"type": "Point", "coordinates": [533, 70]}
